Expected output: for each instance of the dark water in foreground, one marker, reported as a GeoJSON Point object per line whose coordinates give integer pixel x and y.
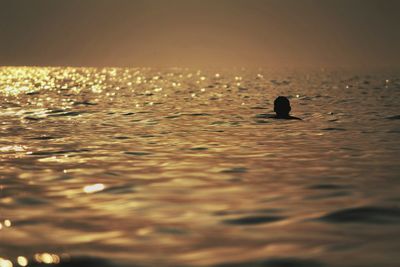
{"type": "Point", "coordinates": [140, 167]}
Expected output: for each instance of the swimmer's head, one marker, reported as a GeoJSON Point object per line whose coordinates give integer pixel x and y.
{"type": "Point", "coordinates": [282, 106]}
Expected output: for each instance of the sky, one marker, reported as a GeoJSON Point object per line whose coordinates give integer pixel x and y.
{"type": "Point", "coordinates": [213, 33]}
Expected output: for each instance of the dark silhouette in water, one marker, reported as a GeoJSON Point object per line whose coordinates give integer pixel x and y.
{"type": "Point", "coordinates": [282, 108]}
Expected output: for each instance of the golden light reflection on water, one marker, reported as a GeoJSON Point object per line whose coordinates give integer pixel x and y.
{"type": "Point", "coordinates": [5, 263]}
{"type": "Point", "coordinates": [46, 258]}
{"type": "Point", "coordinates": [22, 261]}
{"type": "Point", "coordinates": [186, 165]}
{"type": "Point", "coordinates": [7, 223]}
{"type": "Point", "coordinates": [93, 188]}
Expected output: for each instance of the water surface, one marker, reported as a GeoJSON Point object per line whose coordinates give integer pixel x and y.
{"type": "Point", "coordinates": [179, 167]}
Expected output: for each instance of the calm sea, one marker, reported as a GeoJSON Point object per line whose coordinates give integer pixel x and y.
{"type": "Point", "coordinates": [179, 167]}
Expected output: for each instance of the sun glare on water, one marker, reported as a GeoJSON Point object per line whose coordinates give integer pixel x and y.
{"type": "Point", "coordinates": [93, 188]}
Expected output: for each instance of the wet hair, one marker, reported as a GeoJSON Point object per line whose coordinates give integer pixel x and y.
{"type": "Point", "coordinates": [282, 106]}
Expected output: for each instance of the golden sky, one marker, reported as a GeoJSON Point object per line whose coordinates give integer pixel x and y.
{"type": "Point", "coordinates": [265, 33]}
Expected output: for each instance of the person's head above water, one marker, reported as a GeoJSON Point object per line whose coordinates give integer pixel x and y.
{"type": "Point", "coordinates": [282, 106]}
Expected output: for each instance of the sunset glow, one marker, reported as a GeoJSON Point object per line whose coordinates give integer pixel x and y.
{"type": "Point", "coordinates": [199, 133]}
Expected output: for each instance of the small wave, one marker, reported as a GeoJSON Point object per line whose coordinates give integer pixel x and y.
{"type": "Point", "coordinates": [257, 107]}
{"type": "Point", "coordinates": [81, 262]}
{"type": "Point", "coordinates": [31, 118]}
{"type": "Point", "coordinates": [197, 114]}
{"type": "Point", "coordinates": [67, 114]}
{"type": "Point", "coordinates": [46, 153]}
{"type": "Point", "coordinates": [326, 187]}
{"type": "Point", "coordinates": [198, 148]}
{"type": "Point", "coordinates": [329, 195]}
{"type": "Point", "coordinates": [33, 93]}
{"type": "Point", "coordinates": [172, 116]}
{"type": "Point", "coordinates": [119, 189]}
{"type": "Point", "coordinates": [364, 215]}
{"type": "Point", "coordinates": [264, 116]}
{"type": "Point", "coordinates": [235, 170]}
{"type": "Point", "coordinates": [121, 137]}
{"type": "Point", "coordinates": [254, 220]}
{"type": "Point", "coordinates": [397, 117]}
{"type": "Point", "coordinates": [239, 212]}
{"type": "Point", "coordinates": [44, 137]}
{"type": "Point", "coordinates": [217, 122]}
{"type": "Point", "coordinates": [278, 262]}
{"type": "Point", "coordinates": [137, 153]}
{"type": "Point", "coordinates": [84, 103]}
{"type": "Point", "coordinates": [31, 201]}
{"type": "Point", "coordinates": [262, 121]}
{"type": "Point", "coordinates": [148, 136]}
{"type": "Point", "coordinates": [333, 129]}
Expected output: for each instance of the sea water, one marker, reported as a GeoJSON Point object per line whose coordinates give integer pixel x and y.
{"type": "Point", "coordinates": [181, 167]}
